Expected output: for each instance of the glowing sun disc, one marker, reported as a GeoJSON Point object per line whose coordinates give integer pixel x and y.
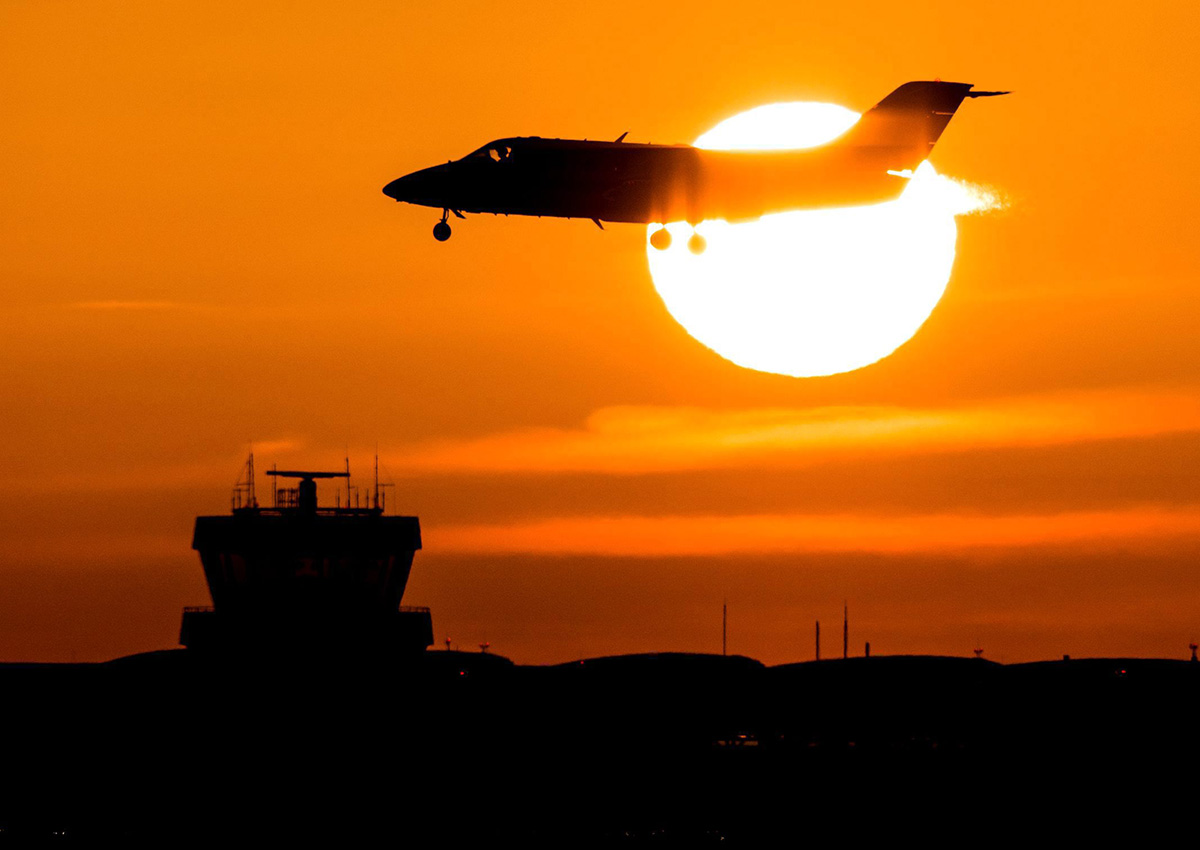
{"type": "Point", "coordinates": [812, 292]}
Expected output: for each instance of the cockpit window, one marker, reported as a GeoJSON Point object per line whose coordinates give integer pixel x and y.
{"type": "Point", "coordinates": [494, 152]}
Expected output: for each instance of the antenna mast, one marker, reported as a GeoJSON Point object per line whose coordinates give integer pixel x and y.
{"type": "Point", "coordinates": [724, 625]}
{"type": "Point", "coordinates": [845, 630]}
{"type": "Point", "coordinates": [243, 491]}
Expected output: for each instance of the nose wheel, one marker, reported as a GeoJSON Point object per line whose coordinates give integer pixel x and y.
{"type": "Point", "coordinates": [441, 230]}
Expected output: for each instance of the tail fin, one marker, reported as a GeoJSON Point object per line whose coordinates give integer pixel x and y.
{"type": "Point", "coordinates": [906, 124]}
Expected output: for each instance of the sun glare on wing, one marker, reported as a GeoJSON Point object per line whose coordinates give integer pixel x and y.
{"type": "Point", "coordinates": [813, 292]}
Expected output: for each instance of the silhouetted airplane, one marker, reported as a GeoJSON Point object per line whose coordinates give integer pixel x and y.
{"type": "Point", "coordinates": [642, 183]}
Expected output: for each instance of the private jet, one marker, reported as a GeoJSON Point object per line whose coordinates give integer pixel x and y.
{"type": "Point", "coordinates": [638, 183]}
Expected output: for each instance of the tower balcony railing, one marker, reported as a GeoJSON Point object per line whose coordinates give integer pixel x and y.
{"type": "Point", "coordinates": [404, 609]}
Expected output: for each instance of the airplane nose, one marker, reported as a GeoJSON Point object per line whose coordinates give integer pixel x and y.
{"type": "Point", "coordinates": [421, 187]}
{"type": "Point", "coordinates": [400, 188]}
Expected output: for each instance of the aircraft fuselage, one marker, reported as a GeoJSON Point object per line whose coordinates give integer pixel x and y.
{"type": "Point", "coordinates": [642, 183]}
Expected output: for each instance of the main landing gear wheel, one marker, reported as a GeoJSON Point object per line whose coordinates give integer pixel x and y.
{"type": "Point", "coordinates": [660, 239]}
{"type": "Point", "coordinates": [441, 231]}
{"type": "Point", "coordinates": [697, 244]}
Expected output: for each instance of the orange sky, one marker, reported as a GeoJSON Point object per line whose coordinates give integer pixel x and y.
{"type": "Point", "coordinates": [195, 253]}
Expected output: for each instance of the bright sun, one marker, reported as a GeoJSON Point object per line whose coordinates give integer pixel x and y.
{"type": "Point", "coordinates": [814, 292]}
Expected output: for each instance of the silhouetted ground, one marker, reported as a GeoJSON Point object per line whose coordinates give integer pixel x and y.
{"type": "Point", "coordinates": [659, 750]}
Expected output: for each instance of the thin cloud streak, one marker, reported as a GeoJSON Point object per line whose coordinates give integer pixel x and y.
{"type": "Point", "coordinates": [200, 474]}
{"type": "Point", "coordinates": [641, 440]}
{"type": "Point", "coordinates": [673, 536]}
{"type": "Point", "coordinates": [96, 551]}
{"type": "Point", "coordinates": [131, 306]}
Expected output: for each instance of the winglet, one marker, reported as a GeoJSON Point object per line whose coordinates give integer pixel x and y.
{"type": "Point", "coordinates": [598, 224]}
{"type": "Point", "coordinates": [621, 137]}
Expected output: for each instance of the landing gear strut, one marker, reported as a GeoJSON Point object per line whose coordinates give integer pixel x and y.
{"type": "Point", "coordinates": [441, 230]}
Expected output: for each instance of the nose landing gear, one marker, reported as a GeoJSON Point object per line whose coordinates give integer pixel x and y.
{"type": "Point", "coordinates": [441, 230]}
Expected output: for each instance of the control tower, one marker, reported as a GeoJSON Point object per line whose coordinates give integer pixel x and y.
{"type": "Point", "coordinates": [301, 577]}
